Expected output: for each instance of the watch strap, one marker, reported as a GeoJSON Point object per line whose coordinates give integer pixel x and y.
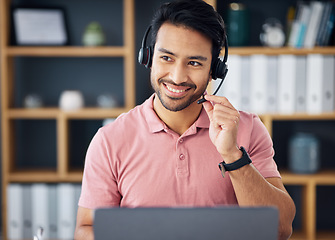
{"type": "Point", "coordinates": [244, 160]}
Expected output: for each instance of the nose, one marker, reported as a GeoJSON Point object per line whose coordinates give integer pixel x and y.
{"type": "Point", "coordinates": [178, 73]}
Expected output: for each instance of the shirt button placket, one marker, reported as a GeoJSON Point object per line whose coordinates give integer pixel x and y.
{"type": "Point", "coordinates": [182, 168]}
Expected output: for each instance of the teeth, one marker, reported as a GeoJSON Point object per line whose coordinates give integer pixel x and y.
{"type": "Point", "coordinates": [174, 90]}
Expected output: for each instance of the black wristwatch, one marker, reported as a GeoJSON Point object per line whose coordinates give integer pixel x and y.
{"type": "Point", "coordinates": [244, 160]}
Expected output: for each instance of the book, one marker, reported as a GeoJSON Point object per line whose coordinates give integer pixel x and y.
{"type": "Point", "coordinates": [323, 23]}
{"type": "Point", "coordinates": [303, 22]}
{"type": "Point", "coordinates": [314, 24]}
{"type": "Point", "coordinates": [329, 28]}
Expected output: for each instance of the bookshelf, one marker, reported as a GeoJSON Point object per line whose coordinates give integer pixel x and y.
{"type": "Point", "coordinates": [11, 113]}
{"type": "Point", "coordinates": [308, 183]}
{"type": "Point", "coordinates": [63, 172]}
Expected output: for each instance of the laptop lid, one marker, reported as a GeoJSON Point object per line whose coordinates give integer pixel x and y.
{"type": "Point", "coordinates": [232, 223]}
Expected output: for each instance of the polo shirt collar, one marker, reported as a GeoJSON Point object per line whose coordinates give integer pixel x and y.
{"type": "Point", "coordinates": [155, 124]}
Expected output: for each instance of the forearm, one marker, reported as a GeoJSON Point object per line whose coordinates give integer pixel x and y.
{"type": "Point", "coordinates": [252, 189]}
{"type": "Point", "coordinates": [84, 233]}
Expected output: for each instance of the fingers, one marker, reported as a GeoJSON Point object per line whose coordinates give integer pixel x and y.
{"type": "Point", "coordinates": [219, 100]}
{"type": "Point", "coordinates": [221, 111]}
{"type": "Point", "coordinates": [208, 106]}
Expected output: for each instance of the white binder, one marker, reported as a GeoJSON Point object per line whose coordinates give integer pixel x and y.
{"type": "Point", "coordinates": [14, 214]}
{"type": "Point", "coordinates": [66, 210]}
{"type": "Point", "coordinates": [245, 84]}
{"type": "Point", "coordinates": [320, 83]}
{"type": "Point", "coordinates": [272, 85]}
{"type": "Point", "coordinates": [53, 211]}
{"type": "Point", "coordinates": [40, 208]}
{"type": "Point", "coordinates": [27, 211]}
{"type": "Point", "coordinates": [286, 83]}
{"type": "Point", "coordinates": [258, 83]}
{"type": "Point", "coordinates": [300, 96]}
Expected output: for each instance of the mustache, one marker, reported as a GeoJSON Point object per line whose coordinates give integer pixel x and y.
{"type": "Point", "coordinates": [183, 84]}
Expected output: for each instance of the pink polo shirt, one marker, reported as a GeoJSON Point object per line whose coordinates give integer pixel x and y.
{"type": "Point", "coordinates": [137, 161]}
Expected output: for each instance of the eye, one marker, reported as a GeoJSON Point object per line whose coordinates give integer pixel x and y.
{"type": "Point", "coordinates": [166, 58]}
{"type": "Point", "coordinates": [194, 63]}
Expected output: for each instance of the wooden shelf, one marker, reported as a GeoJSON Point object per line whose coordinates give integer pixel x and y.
{"type": "Point", "coordinates": [321, 235]}
{"type": "Point", "coordinates": [278, 51]}
{"type": "Point", "coordinates": [325, 235]}
{"type": "Point", "coordinates": [95, 113]}
{"type": "Point", "coordinates": [300, 116]}
{"type": "Point", "coordinates": [41, 113]}
{"type": "Point", "coordinates": [269, 118]}
{"type": "Point", "coordinates": [70, 51]}
{"type": "Point", "coordinates": [47, 176]}
{"type": "Point", "coordinates": [54, 113]}
{"type": "Point", "coordinates": [325, 177]}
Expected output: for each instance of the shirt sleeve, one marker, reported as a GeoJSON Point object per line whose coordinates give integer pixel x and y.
{"type": "Point", "coordinates": [260, 147]}
{"type": "Point", "coordinates": [99, 185]}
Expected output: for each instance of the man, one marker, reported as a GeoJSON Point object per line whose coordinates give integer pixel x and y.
{"type": "Point", "coordinates": [165, 152]}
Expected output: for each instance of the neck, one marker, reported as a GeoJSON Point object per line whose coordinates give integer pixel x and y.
{"type": "Point", "coordinates": [178, 121]}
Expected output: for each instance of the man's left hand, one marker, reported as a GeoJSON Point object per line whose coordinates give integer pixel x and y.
{"type": "Point", "coordinates": [224, 121]}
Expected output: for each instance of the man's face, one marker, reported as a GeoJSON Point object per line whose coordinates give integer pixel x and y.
{"type": "Point", "coordinates": [181, 66]}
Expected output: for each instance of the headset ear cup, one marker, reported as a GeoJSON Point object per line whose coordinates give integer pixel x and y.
{"type": "Point", "coordinates": [140, 56]}
{"type": "Point", "coordinates": [145, 53]}
{"type": "Point", "coordinates": [219, 69]}
{"type": "Point", "coordinates": [148, 57]}
{"type": "Point", "coordinates": [144, 57]}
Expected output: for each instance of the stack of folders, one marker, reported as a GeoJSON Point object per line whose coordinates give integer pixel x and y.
{"type": "Point", "coordinates": [313, 24]}
{"type": "Point", "coordinates": [50, 206]}
{"type": "Point", "coordinates": [284, 84]}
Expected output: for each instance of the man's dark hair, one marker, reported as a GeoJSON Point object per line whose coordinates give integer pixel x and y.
{"type": "Point", "coordinates": [194, 14]}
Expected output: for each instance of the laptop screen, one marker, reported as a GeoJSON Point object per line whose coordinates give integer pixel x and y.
{"type": "Point", "coordinates": [232, 223]}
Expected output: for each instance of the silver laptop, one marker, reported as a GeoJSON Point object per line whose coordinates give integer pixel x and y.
{"type": "Point", "coordinates": [231, 223]}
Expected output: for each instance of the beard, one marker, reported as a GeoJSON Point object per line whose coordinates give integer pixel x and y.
{"type": "Point", "coordinates": [178, 104]}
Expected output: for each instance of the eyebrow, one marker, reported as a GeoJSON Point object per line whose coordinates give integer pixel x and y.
{"type": "Point", "coordinates": [201, 58]}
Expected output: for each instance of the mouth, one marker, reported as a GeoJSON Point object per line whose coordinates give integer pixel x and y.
{"type": "Point", "coordinates": [176, 91]}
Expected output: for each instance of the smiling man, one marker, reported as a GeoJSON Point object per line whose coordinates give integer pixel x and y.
{"type": "Point", "coordinates": [165, 152]}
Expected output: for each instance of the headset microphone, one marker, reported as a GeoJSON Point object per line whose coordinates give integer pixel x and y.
{"type": "Point", "coordinates": [219, 67]}
{"type": "Point", "coordinates": [202, 100]}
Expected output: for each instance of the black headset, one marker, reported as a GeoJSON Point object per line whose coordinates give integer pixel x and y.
{"type": "Point", "coordinates": [219, 67]}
